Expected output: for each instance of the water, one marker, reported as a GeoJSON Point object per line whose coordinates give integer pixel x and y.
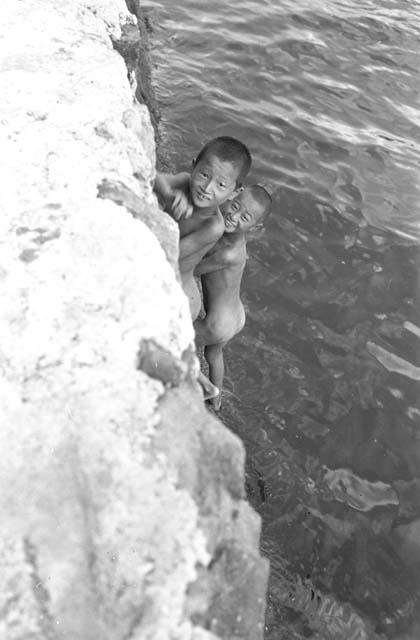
{"type": "Point", "coordinates": [323, 383]}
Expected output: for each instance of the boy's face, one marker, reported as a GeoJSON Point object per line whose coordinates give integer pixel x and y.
{"type": "Point", "coordinates": [241, 213]}
{"type": "Point", "coordinates": [213, 181]}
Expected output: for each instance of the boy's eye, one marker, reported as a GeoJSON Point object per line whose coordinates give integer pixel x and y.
{"type": "Point", "coordinates": [235, 206]}
{"type": "Point", "coordinates": [222, 185]}
{"type": "Point", "coordinates": [204, 174]}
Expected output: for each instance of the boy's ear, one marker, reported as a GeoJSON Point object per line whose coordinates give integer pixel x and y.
{"type": "Point", "coordinates": [255, 231]}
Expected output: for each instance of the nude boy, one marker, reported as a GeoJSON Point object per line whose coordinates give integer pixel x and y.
{"type": "Point", "coordinates": [194, 200]}
{"type": "Point", "coordinates": [221, 270]}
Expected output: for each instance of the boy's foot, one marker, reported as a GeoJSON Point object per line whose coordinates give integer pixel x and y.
{"type": "Point", "coordinates": [210, 391]}
{"type": "Point", "coordinates": [216, 402]}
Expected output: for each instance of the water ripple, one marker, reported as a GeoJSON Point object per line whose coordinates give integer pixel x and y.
{"type": "Point", "coordinates": [326, 372]}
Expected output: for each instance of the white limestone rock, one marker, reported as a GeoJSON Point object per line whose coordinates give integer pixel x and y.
{"type": "Point", "coordinates": [99, 540]}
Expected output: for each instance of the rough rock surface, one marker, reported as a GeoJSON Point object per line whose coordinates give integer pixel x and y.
{"type": "Point", "coordinates": [121, 499]}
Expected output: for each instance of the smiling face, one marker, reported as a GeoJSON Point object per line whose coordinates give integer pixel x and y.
{"type": "Point", "coordinates": [213, 181]}
{"type": "Point", "coordinates": [242, 213]}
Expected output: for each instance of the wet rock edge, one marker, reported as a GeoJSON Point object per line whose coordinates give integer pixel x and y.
{"type": "Point", "coordinates": [228, 598]}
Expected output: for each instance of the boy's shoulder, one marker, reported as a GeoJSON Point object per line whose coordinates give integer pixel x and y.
{"type": "Point", "coordinates": [214, 226]}
{"type": "Point", "coordinates": [210, 227]}
{"type": "Point", "coordinates": [214, 222]}
{"type": "Point", "coordinates": [232, 249]}
{"type": "Point", "coordinates": [228, 252]}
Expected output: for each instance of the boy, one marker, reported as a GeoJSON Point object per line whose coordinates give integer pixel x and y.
{"type": "Point", "coordinates": [194, 200]}
{"type": "Point", "coordinates": [221, 270]}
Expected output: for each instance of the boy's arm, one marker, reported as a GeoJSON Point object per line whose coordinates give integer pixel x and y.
{"type": "Point", "coordinates": [220, 259]}
{"type": "Point", "coordinates": [165, 183]}
{"type": "Point", "coordinates": [173, 189]}
{"type": "Point", "coordinates": [209, 264]}
{"type": "Point", "coordinates": [207, 234]}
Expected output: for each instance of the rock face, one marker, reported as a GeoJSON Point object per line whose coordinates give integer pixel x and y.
{"type": "Point", "coordinates": [121, 498]}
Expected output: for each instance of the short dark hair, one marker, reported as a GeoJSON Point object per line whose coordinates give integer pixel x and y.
{"type": "Point", "coordinates": [229, 150]}
{"type": "Point", "coordinates": [261, 195]}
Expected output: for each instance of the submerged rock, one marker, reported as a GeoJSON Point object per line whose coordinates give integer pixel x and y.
{"type": "Point", "coordinates": [359, 493]}
{"type": "Point", "coordinates": [394, 363]}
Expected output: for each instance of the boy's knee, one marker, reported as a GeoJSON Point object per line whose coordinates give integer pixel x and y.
{"type": "Point", "coordinates": [213, 352]}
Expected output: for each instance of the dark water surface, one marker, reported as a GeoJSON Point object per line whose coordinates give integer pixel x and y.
{"type": "Point", "coordinates": [323, 383]}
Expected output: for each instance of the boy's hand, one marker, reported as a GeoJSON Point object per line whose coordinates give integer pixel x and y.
{"type": "Point", "coordinates": [180, 206]}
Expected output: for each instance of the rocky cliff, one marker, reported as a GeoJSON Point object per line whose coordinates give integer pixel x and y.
{"type": "Point", "coordinates": [122, 504]}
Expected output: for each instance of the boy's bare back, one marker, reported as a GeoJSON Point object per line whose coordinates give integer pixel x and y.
{"type": "Point", "coordinates": [221, 269]}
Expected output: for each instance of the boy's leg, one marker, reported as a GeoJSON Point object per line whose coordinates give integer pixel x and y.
{"type": "Point", "coordinates": [213, 353]}
{"type": "Point", "coordinates": [193, 294]}
{"type": "Point", "coordinates": [202, 334]}
{"type": "Point", "coordinates": [214, 332]}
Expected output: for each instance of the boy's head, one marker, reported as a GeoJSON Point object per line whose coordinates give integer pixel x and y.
{"type": "Point", "coordinates": [218, 171]}
{"type": "Point", "coordinates": [247, 210]}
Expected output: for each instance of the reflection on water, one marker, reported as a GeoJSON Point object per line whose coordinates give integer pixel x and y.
{"type": "Point", "coordinates": [323, 383]}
